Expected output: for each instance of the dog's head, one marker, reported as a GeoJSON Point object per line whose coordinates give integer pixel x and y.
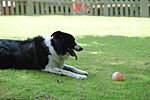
{"type": "Point", "coordinates": [64, 42]}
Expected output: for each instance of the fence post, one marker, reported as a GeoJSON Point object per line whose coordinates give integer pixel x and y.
{"type": "Point", "coordinates": [29, 7]}
{"type": "Point", "coordinates": [106, 8]}
{"type": "Point", "coordinates": [144, 8]}
{"type": "Point", "coordinates": [2, 8]}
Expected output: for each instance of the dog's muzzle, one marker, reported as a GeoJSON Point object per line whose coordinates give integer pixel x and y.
{"type": "Point", "coordinates": [78, 48]}
{"type": "Point", "coordinates": [71, 51]}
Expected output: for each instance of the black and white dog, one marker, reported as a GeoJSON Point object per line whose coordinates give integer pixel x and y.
{"type": "Point", "coordinates": [42, 52]}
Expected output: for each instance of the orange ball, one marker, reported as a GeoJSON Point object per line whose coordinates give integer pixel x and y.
{"type": "Point", "coordinates": [117, 76]}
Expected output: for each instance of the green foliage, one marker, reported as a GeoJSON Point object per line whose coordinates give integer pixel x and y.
{"type": "Point", "coordinates": [102, 55]}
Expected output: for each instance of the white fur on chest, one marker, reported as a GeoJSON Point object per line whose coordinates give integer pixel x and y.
{"type": "Point", "coordinates": [55, 60]}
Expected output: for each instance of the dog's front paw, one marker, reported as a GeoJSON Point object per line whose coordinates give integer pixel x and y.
{"type": "Point", "coordinates": [81, 76]}
{"type": "Point", "coordinates": [84, 73]}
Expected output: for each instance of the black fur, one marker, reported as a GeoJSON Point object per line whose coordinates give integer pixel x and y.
{"type": "Point", "coordinates": [33, 53]}
{"type": "Point", "coordinates": [27, 54]}
{"type": "Point", "coordinates": [62, 41]}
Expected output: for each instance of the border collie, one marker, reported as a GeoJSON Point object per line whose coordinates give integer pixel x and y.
{"type": "Point", "coordinates": [46, 53]}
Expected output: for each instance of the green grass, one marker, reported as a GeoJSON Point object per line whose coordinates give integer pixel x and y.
{"type": "Point", "coordinates": [110, 44]}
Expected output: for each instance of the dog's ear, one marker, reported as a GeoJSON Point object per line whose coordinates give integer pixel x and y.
{"type": "Point", "coordinates": [58, 42]}
{"type": "Point", "coordinates": [57, 35]}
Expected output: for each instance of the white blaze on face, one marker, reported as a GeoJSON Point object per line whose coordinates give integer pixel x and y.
{"type": "Point", "coordinates": [77, 47]}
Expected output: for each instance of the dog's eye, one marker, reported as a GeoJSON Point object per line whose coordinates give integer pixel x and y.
{"type": "Point", "coordinates": [73, 44]}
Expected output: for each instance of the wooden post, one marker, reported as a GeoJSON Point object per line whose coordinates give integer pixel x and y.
{"type": "Point", "coordinates": [96, 10]}
{"type": "Point", "coordinates": [126, 8]}
{"type": "Point", "coordinates": [17, 8]}
{"type": "Point", "coordinates": [105, 8]}
{"type": "Point", "coordinates": [42, 8]}
{"type": "Point", "coordinates": [116, 8]}
{"type": "Point", "coordinates": [29, 7]}
{"type": "Point", "coordinates": [111, 9]}
{"type": "Point", "coordinates": [91, 9]}
{"type": "Point", "coordinates": [144, 8]}
{"type": "Point", "coordinates": [12, 7]}
{"type": "Point", "coordinates": [6, 8]}
{"type": "Point", "coordinates": [121, 8]}
{"type": "Point", "coordinates": [37, 8]}
{"type": "Point", "coordinates": [61, 9]}
{"type": "Point", "coordinates": [47, 8]}
{"type": "Point", "coordinates": [3, 8]}
{"type": "Point", "coordinates": [22, 8]}
{"type": "Point", "coordinates": [57, 9]}
{"type": "Point", "coordinates": [131, 8]}
{"type": "Point", "coordinates": [52, 8]}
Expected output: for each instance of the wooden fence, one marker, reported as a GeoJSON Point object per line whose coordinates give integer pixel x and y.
{"type": "Point", "coordinates": [137, 8]}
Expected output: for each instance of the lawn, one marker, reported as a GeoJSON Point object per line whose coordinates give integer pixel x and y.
{"type": "Point", "coordinates": [110, 44]}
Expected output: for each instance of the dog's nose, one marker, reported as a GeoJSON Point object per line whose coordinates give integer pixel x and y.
{"type": "Point", "coordinates": [78, 48]}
